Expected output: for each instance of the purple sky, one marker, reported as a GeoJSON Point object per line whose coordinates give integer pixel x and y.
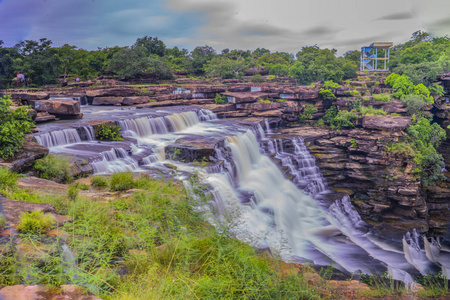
{"type": "Point", "coordinates": [281, 25]}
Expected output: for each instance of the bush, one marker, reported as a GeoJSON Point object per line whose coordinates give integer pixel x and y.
{"type": "Point", "coordinates": [54, 168]}
{"type": "Point", "coordinates": [7, 178]}
{"type": "Point", "coordinates": [341, 119]}
{"type": "Point", "coordinates": [330, 84]}
{"type": "Point", "coordinates": [220, 99]}
{"type": "Point", "coordinates": [327, 94]}
{"type": "Point", "coordinates": [257, 78]}
{"type": "Point", "coordinates": [99, 181]}
{"type": "Point", "coordinates": [382, 97]}
{"type": "Point", "coordinates": [370, 111]}
{"type": "Point", "coordinates": [402, 149]}
{"type": "Point", "coordinates": [108, 133]}
{"type": "Point", "coordinates": [72, 192]}
{"type": "Point", "coordinates": [35, 222]}
{"type": "Point", "coordinates": [2, 221]}
{"type": "Point", "coordinates": [14, 125]}
{"type": "Point", "coordinates": [122, 181]}
{"type": "Point", "coordinates": [308, 111]}
{"type": "Point", "coordinates": [415, 105]}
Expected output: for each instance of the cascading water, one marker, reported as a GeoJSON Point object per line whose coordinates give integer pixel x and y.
{"type": "Point", "coordinates": [267, 210]}
{"type": "Point", "coordinates": [66, 136]}
{"type": "Point", "coordinates": [114, 160]}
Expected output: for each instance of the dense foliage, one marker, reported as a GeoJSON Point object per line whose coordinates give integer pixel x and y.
{"type": "Point", "coordinates": [14, 125]}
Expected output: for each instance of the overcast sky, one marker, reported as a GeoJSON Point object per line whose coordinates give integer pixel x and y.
{"type": "Point", "coordinates": [279, 25]}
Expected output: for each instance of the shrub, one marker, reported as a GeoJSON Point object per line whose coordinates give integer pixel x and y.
{"type": "Point", "coordinates": [382, 97]}
{"type": "Point", "coordinates": [220, 99]}
{"type": "Point", "coordinates": [343, 119]}
{"type": "Point", "coordinates": [327, 94]}
{"type": "Point", "coordinates": [355, 104]}
{"type": "Point", "coordinates": [99, 181]}
{"type": "Point", "coordinates": [122, 181]}
{"type": "Point", "coordinates": [257, 78]}
{"type": "Point", "coordinates": [348, 93]}
{"type": "Point", "coordinates": [402, 149]}
{"type": "Point", "coordinates": [35, 222]}
{"type": "Point", "coordinates": [330, 84]}
{"type": "Point", "coordinates": [415, 105]}
{"type": "Point", "coordinates": [370, 111]}
{"type": "Point", "coordinates": [308, 111]}
{"type": "Point", "coordinates": [437, 90]}
{"type": "Point", "coordinates": [2, 221]}
{"type": "Point", "coordinates": [7, 178]}
{"type": "Point", "coordinates": [14, 125]}
{"type": "Point", "coordinates": [72, 192]}
{"type": "Point", "coordinates": [109, 133]}
{"type": "Point", "coordinates": [54, 168]}
{"type": "Point", "coordinates": [319, 122]}
{"type": "Point", "coordinates": [330, 114]}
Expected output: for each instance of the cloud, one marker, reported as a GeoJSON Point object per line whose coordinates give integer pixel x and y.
{"type": "Point", "coordinates": [319, 31]}
{"type": "Point", "coordinates": [397, 16]}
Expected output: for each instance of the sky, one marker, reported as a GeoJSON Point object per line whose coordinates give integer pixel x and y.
{"type": "Point", "coordinates": [277, 25]}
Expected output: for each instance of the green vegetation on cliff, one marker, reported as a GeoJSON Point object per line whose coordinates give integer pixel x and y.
{"type": "Point", "coordinates": [15, 123]}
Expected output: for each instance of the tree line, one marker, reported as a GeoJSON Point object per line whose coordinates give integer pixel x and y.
{"type": "Point", "coordinates": [422, 58]}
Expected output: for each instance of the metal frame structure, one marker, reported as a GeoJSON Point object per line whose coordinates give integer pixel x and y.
{"type": "Point", "coordinates": [370, 59]}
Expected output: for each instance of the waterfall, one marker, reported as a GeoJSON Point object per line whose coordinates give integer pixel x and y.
{"type": "Point", "coordinates": [113, 161]}
{"type": "Point", "coordinates": [182, 121]}
{"type": "Point", "coordinates": [206, 115]}
{"type": "Point", "coordinates": [267, 210]}
{"type": "Point", "coordinates": [58, 138]}
{"type": "Point", "coordinates": [65, 136]}
{"type": "Point", "coordinates": [141, 127]}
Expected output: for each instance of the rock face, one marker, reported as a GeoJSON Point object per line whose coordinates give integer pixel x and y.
{"type": "Point", "coordinates": [58, 107]}
{"type": "Point", "coordinates": [24, 159]}
{"type": "Point", "coordinates": [382, 187]}
{"type": "Point", "coordinates": [107, 101]}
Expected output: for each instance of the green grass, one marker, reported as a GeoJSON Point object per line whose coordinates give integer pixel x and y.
{"type": "Point", "coordinates": [370, 111]}
{"type": "Point", "coordinates": [122, 181]}
{"type": "Point", "coordinates": [53, 167]}
{"type": "Point", "coordinates": [162, 241]}
{"type": "Point", "coordinates": [8, 179]}
{"type": "Point", "coordinates": [99, 181]}
{"type": "Point", "coordinates": [35, 222]}
{"type": "Point", "coordinates": [382, 97]}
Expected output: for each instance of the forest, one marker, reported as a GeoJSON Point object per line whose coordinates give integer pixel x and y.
{"type": "Point", "coordinates": [421, 58]}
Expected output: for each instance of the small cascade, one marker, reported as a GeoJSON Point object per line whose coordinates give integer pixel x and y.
{"type": "Point", "coordinates": [66, 136]}
{"type": "Point", "coordinates": [266, 123]}
{"type": "Point", "coordinates": [158, 156]}
{"type": "Point", "coordinates": [113, 161]}
{"type": "Point", "coordinates": [83, 99]}
{"type": "Point", "coordinates": [145, 126]}
{"type": "Point", "coordinates": [182, 121]}
{"type": "Point", "coordinates": [206, 115]}
{"type": "Point", "coordinates": [58, 138]}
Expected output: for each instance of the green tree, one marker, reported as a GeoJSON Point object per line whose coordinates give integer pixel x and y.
{"type": "Point", "coordinates": [134, 62]}
{"type": "Point", "coordinates": [224, 67]}
{"type": "Point", "coordinates": [14, 125]}
{"type": "Point", "coordinates": [152, 45]}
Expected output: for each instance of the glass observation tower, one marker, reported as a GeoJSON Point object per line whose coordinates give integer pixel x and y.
{"type": "Point", "coordinates": [375, 57]}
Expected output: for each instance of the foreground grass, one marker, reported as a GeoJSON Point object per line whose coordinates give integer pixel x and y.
{"type": "Point", "coordinates": [151, 244]}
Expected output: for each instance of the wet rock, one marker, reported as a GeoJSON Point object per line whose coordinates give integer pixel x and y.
{"type": "Point", "coordinates": [58, 107]}
{"type": "Point", "coordinates": [44, 117]}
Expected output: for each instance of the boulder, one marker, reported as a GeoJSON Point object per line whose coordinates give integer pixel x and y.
{"type": "Point", "coordinates": [114, 92]}
{"type": "Point", "coordinates": [135, 100]}
{"type": "Point", "coordinates": [30, 96]}
{"type": "Point", "coordinates": [58, 107]}
{"type": "Point", "coordinates": [108, 101]}
{"type": "Point", "coordinates": [276, 113]}
{"type": "Point", "coordinates": [25, 157]}
{"type": "Point", "coordinates": [387, 123]}
{"type": "Point", "coordinates": [13, 210]}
